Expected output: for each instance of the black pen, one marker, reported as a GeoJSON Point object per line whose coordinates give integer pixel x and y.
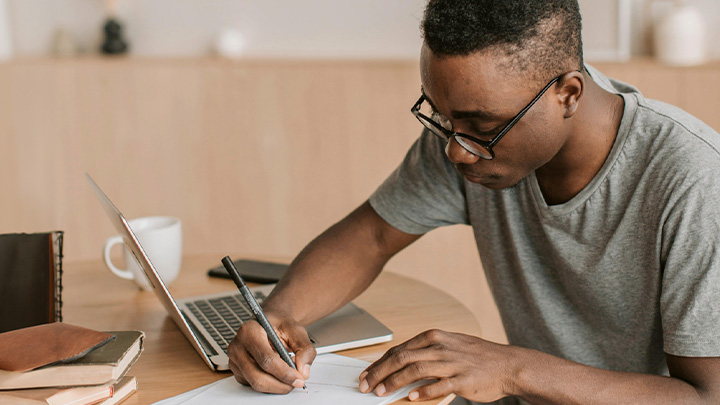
{"type": "Point", "coordinates": [258, 312]}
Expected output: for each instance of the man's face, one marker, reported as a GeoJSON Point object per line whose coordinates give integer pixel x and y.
{"type": "Point", "coordinates": [479, 98]}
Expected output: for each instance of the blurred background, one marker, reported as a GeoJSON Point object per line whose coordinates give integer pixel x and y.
{"type": "Point", "coordinates": [261, 123]}
{"type": "Point", "coordinates": [291, 29]}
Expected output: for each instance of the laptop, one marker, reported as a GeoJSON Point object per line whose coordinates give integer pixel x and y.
{"type": "Point", "coordinates": [209, 322]}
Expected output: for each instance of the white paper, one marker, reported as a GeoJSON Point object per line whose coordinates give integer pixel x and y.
{"type": "Point", "coordinates": [333, 380]}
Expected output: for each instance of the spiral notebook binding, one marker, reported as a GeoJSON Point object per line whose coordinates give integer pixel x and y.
{"type": "Point", "coordinates": [58, 259]}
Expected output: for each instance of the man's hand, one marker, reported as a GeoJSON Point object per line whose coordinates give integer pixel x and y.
{"type": "Point", "coordinates": [484, 371]}
{"type": "Point", "coordinates": [254, 362]}
{"type": "Point", "coordinates": [471, 367]}
{"type": "Point", "coordinates": [331, 271]}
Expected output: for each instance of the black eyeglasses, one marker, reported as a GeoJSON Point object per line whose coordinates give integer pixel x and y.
{"type": "Point", "coordinates": [476, 146]}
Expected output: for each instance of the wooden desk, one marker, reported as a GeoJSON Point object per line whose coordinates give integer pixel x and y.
{"type": "Point", "coordinates": [95, 298]}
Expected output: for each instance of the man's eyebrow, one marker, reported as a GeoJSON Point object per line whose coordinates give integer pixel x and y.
{"type": "Point", "coordinates": [481, 114]}
{"type": "Point", "coordinates": [484, 115]}
{"type": "Point", "coordinates": [422, 90]}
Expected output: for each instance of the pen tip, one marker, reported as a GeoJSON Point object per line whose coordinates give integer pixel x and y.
{"type": "Point", "coordinates": [305, 388]}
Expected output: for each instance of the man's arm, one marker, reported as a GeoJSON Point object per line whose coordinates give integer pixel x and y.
{"type": "Point", "coordinates": [337, 266]}
{"type": "Point", "coordinates": [484, 371]}
{"type": "Point", "coordinates": [331, 271]}
{"type": "Point", "coordinates": [693, 380]}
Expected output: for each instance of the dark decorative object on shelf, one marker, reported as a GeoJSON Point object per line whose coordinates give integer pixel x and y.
{"type": "Point", "coordinates": [114, 43]}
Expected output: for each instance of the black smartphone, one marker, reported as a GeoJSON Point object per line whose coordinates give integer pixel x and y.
{"type": "Point", "coordinates": [256, 271]}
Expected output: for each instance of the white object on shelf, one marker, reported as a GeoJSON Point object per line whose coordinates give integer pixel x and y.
{"type": "Point", "coordinates": [63, 43]}
{"type": "Point", "coordinates": [230, 44]}
{"type": "Point", "coordinates": [680, 36]}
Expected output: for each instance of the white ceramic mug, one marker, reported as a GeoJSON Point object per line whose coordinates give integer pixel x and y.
{"type": "Point", "coordinates": [161, 238]}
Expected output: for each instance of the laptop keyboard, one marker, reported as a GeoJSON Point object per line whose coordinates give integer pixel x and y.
{"type": "Point", "coordinates": [222, 316]}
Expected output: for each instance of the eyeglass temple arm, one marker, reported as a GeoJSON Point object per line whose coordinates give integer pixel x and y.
{"type": "Point", "coordinates": [522, 112]}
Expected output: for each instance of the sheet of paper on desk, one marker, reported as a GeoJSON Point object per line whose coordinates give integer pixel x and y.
{"type": "Point", "coordinates": [333, 380]}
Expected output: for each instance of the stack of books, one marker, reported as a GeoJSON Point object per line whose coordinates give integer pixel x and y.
{"type": "Point", "coordinates": [62, 364]}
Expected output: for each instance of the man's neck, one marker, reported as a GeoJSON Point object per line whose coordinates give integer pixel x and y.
{"type": "Point", "coordinates": [593, 132]}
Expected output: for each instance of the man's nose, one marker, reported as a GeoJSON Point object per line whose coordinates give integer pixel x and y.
{"type": "Point", "coordinates": [458, 154]}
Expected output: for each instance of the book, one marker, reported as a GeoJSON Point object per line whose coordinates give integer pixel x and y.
{"type": "Point", "coordinates": [123, 389]}
{"type": "Point", "coordinates": [107, 394]}
{"type": "Point", "coordinates": [57, 396]}
{"type": "Point", "coordinates": [106, 364]}
{"type": "Point", "coordinates": [30, 279]}
{"type": "Point", "coordinates": [42, 345]}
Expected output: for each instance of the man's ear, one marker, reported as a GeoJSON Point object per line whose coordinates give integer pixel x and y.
{"type": "Point", "coordinates": [571, 87]}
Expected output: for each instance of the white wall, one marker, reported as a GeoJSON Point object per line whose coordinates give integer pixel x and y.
{"type": "Point", "coordinates": [272, 28]}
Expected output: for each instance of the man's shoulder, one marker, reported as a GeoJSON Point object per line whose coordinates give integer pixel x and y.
{"type": "Point", "coordinates": [670, 148]}
{"type": "Point", "coordinates": [677, 154]}
{"type": "Point", "coordinates": [682, 140]}
{"type": "Point", "coordinates": [675, 127]}
{"type": "Point", "coordinates": [684, 125]}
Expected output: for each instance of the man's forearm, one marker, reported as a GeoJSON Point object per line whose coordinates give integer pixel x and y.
{"type": "Point", "coordinates": [322, 278]}
{"type": "Point", "coordinates": [541, 378]}
{"type": "Point", "coordinates": [337, 266]}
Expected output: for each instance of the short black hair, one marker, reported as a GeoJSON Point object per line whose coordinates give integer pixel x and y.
{"type": "Point", "coordinates": [541, 37]}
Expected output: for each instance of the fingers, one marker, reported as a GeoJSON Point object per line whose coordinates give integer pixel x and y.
{"type": "Point", "coordinates": [441, 388]}
{"type": "Point", "coordinates": [420, 341]}
{"type": "Point", "coordinates": [462, 364]}
{"type": "Point", "coordinates": [271, 363]}
{"type": "Point", "coordinates": [267, 384]}
{"type": "Point", "coordinates": [299, 342]}
{"type": "Point", "coordinates": [425, 356]}
{"type": "Point", "coordinates": [409, 374]}
{"type": "Point", "coordinates": [432, 338]}
{"type": "Point", "coordinates": [254, 362]}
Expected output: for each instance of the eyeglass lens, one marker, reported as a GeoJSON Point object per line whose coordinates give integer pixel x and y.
{"type": "Point", "coordinates": [434, 122]}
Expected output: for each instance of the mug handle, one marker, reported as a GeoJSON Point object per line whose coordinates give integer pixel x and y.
{"type": "Point", "coordinates": [126, 274]}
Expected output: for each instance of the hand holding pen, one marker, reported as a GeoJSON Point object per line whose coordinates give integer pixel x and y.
{"type": "Point", "coordinates": [262, 320]}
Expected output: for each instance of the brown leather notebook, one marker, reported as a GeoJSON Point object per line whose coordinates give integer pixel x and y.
{"type": "Point", "coordinates": [30, 279]}
{"type": "Point", "coordinates": [73, 357]}
{"type": "Point", "coordinates": [43, 345]}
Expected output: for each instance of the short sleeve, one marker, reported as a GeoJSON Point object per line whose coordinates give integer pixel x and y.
{"type": "Point", "coordinates": [424, 192]}
{"type": "Point", "coordinates": [690, 300]}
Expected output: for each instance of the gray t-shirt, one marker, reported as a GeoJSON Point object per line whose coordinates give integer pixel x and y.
{"type": "Point", "coordinates": [626, 270]}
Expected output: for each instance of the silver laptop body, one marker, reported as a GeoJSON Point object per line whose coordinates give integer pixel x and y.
{"type": "Point", "coordinates": [347, 328]}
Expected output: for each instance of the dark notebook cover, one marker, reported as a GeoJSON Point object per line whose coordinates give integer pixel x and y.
{"type": "Point", "coordinates": [113, 352]}
{"type": "Point", "coordinates": [30, 279]}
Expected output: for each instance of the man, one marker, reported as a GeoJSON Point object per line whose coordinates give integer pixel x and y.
{"type": "Point", "coordinates": [594, 210]}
